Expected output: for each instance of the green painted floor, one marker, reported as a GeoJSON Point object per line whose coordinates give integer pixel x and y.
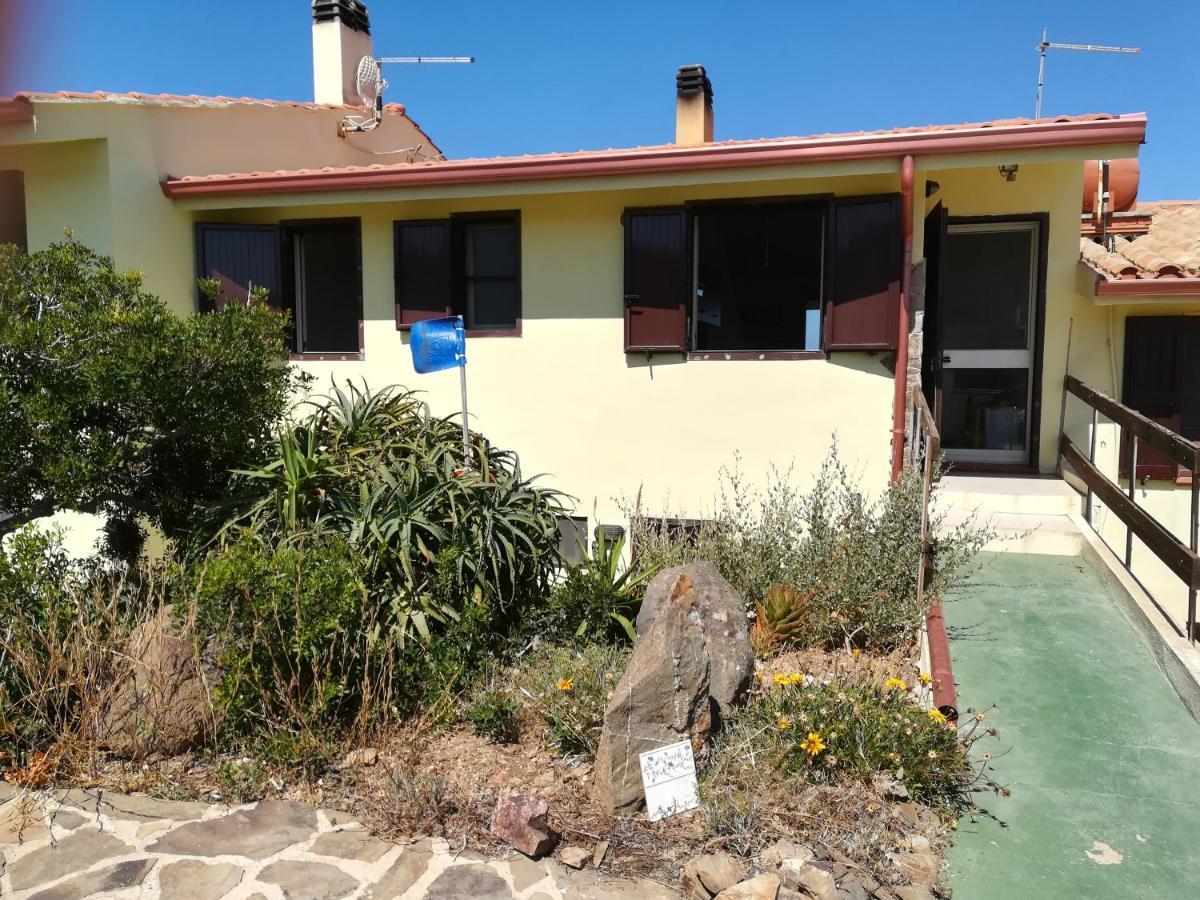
{"type": "Point", "coordinates": [1094, 743]}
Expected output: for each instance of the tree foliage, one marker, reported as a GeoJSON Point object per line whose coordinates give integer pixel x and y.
{"type": "Point", "coordinates": [113, 404]}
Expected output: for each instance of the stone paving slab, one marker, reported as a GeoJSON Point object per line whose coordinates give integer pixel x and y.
{"type": "Point", "coordinates": [68, 845]}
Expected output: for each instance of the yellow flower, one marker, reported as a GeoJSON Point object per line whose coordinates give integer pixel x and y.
{"type": "Point", "coordinates": [784, 723]}
{"type": "Point", "coordinates": [937, 716]}
{"type": "Point", "coordinates": [566, 685]}
{"type": "Point", "coordinates": [813, 744]}
{"type": "Point", "coordinates": [856, 653]}
{"type": "Point", "coordinates": [896, 683]}
{"type": "Point", "coordinates": [926, 679]}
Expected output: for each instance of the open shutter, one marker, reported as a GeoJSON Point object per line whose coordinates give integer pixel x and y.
{"type": "Point", "coordinates": [657, 280]}
{"type": "Point", "coordinates": [240, 256]}
{"type": "Point", "coordinates": [1153, 386]}
{"type": "Point", "coordinates": [422, 254]}
{"type": "Point", "coordinates": [865, 260]}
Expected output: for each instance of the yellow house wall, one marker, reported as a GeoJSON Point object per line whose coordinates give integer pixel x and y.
{"type": "Point", "coordinates": [97, 168]}
{"type": "Point", "coordinates": [606, 425]}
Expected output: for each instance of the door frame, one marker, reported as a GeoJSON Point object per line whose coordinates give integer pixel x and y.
{"type": "Point", "coordinates": [1042, 220]}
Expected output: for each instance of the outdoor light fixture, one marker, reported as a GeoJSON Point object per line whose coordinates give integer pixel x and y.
{"type": "Point", "coordinates": [931, 188]}
{"type": "Point", "coordinates": [1008, 173]}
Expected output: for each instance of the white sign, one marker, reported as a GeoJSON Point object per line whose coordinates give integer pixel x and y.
{"type": "Point", "coordinates": [669, 779]}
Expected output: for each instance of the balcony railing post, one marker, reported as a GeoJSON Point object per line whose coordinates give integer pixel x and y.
{"type": "Point", "coordinates": [1092, 459]}
{"type": "Point", "coordinates": [1132, 499]}
{"type": "Point", "coordinates": [1195, 543]}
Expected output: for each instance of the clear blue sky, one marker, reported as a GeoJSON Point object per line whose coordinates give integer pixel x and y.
{"type": "Point", "coordinates": [561, 75]}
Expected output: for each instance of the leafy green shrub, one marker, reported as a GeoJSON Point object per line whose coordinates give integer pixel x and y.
{"type": "Point", "coordinates": [598, 599]}
{"type": "Point", "coordinates": [569, 689]}
{"type": "Point", "coordinates": [817, 731]}
{"type": "Point", "coordinates": [493, 715]}
{"type": "Point", "coordinates": [113, 404]}
{"type": "Point", "coordinates": [853, 559]}
{"type": "Point", "coordinates": [295, 632]}
{"type": "Point", "coordinates": [437, 540]}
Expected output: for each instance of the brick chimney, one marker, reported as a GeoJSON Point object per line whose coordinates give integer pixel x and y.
{"type": "Point", "coordinates": [341, 35]}
{"type": "Point", "coordinates": [693, 107]}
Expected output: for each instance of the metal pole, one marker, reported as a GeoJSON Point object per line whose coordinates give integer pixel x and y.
{"type": "Point", "coordinates": [462, 380]}
{"type": "Point", "coordinates": [1092, 460]}
{"type": "Point", "coordinates": [1041, 73]}
{"type": "Point", "coordinates": [1133, 500]}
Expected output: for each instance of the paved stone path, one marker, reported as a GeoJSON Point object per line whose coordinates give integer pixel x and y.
{"type": "Point", "coordinates": [65, 845]}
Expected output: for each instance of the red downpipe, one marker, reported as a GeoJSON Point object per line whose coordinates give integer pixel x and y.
{"type": "Point", "coordinates": [945, 697]}
{"type": "Point", "coordinates": [900, 399]}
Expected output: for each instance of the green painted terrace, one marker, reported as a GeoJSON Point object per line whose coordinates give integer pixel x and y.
{"type": "Point", "coordinates": [1101, 756]}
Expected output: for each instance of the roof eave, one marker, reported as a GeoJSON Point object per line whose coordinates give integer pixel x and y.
{"type": "Point", "coordinates": [1142, 288]}
{"type": "Point", "coordinates": [15, 111]}
{"type": "Point", "coordinates": [1126, 129]}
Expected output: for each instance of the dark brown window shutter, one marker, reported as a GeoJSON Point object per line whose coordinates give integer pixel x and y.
{"type": "Point", "coordinates": [657, 280]}
{"type": "Point", "coordinates": [1154, 370]}
{"type": "Point", "coordinates": [240, 256]}
{"type": "Point", "coordinates": [422, 255]}
{"type": "Point", "coordinates": [865, 260]}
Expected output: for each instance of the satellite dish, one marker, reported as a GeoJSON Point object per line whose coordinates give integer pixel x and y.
{"type": "Point", "coordinates": [369, 81]}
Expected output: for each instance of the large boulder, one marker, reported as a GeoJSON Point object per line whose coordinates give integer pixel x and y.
{"type": "Point", "coordinates": [723, 619]}
{"type": "Point", "coordinates": [160, 704]}
{"type": "Point", "coordinates": [662, 698]}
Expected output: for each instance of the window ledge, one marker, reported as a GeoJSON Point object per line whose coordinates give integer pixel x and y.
{"type": "Point", "coordinates": [765, 355]}
{"type": "Point", "coordinates": [477, 332]}
{"type": "Point", "coordinates": [327, 357]}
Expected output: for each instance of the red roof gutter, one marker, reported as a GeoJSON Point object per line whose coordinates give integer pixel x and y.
{"type": "Point", "coordinates": [1121, 130]}
{"type": "Point", "coordinates": [16, 111]}
{"type": "Point", "coordinates": [1149, 287]}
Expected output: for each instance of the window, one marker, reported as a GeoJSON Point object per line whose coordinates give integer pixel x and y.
{"type": "Point", "coordinates": [572, 538]}
{"type": "Point", "coordinates": [468, 265]}
{"type": "Point", "coordinates": [311, 269]}
{"type": "Point", "coordinates": [1162, 382]}
{"type": "Point", "coordinates": [758, 278]}
{"type": "Point", "coordinates": [12, 208]}
{"type": "Point", "coordinates": [743, 279]}
{"type": "Point", "coordinates": [326, 290]}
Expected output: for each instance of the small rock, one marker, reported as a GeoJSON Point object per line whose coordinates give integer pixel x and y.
{"type": "Point", "coordinates": [520, 821]}
{"type": "Point", "coordinates": [773, 856]}
{"type": "Point", "coordinates": [892, 788]}
{"type": "Point", "coordinates": [909, 812]}
{"type": "Point", "coordinates": [708, 875]}
{"type": "Point", "coordinates": [808, 878]}
{"type": "Point", "coordinates": [575, 857]}
{"type": "Point", "coordinates": [355, 759]}
{"type": "Point", "coordinates": [920, 867]}
{"type": "Point", "coordinates": [761, 887]}
{"type": "Point", "coordinates": [912, 892]}
{"type": "Point", "coordinates": [598, 854]}
{"type": "Point", "coordinates": [919, 842]}
{"type": "Point", "coordinates": [851, 889]}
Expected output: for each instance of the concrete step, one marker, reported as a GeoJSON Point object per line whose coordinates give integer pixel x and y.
{"type": "Point", "coordinates": [1051, 535]}
{"type": "Point", "coordinates": [996, 494]}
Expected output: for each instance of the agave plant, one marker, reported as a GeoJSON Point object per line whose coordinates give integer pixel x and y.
{"type": "Point", "coordinates": [433, 535]}
{"type": "Point", "coordinates": [780, 617]}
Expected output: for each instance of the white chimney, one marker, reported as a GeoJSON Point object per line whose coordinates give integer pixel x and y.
{"type": "Point", "coordinates": [341, 37]}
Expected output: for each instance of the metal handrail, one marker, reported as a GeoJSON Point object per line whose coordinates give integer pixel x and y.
{"type": "Point", "coordinates": [922, 450]}
{"type": "Point", "coordinates": [1182, 559]}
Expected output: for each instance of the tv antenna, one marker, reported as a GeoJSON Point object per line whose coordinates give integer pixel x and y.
{"type": "Point", "coordinates": [1088, 48]}
{"type": "Point", "coordinates": [371, 84]}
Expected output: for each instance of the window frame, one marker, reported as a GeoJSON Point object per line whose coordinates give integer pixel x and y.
{"type": "Point", "coordinates": [459, 223]}
{"type": "Point", "coordinates": [695, 208]}
{"type": "Point", "coordinates": [289, 229]}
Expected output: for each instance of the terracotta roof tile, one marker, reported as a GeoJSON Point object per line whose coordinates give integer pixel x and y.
{"type": "Point", "coordinates": [1169, 248]}
{"type": "Point", "coordinates": [189, 100]}
{"type": "Point", "coordinates": [652, 149]}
